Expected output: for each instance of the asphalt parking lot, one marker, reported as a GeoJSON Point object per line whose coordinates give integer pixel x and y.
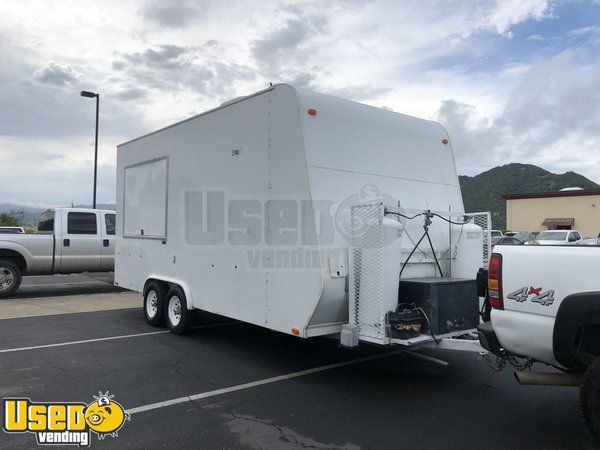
{"type": "Point", "coordinates": [61, 285]}
{"type": "Point", "coordinates": [233, 385]}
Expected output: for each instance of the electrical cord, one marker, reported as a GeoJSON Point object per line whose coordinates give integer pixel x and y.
{"type": "Point", "coordinates": [402, 215]}
{"type": "Point", "coordinates": [428, 323]}
{"type": "Point", "coordinates": [425, 234]}
{"type": "Point", "coordinates": [413, 242]}
{"type": "Point", "coordinates": [457, 242]}
{"type": "Point", "coordinates": [434, 255]}
{"type": "Point", "coordinates": [428, 214]}
{"type": "Point", "coordinates": [387, 212]}
{"type": "Point", "coordinates": [450, 221]}
{"type": "Point", "coordinates": [411, 253]}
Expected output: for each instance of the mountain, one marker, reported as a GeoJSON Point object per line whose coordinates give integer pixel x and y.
{"type": "Point", "coordinates": [31, 214]}
{"type": "Point", "coordinates": [110, 206]}
{"type": "Point", "coordinates": [484, 192]}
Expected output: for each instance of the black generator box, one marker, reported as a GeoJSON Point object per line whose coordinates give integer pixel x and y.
{"type": "Point", "coordinates": [451, 304]}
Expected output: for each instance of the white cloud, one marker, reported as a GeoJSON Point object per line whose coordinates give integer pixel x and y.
{"type": "Point", "coordinates": [56, 173]}
{"type": "Point", "coordinates": [155, 62]}
{"type": "Point", "coordinates": [551, 119]}
{"type": "Point", "coordinates": [57, 74]}
{"type": "Point", "coordinates": [287, 42]}
{"type": "Point", "coordinates": [511, 12]}
{"type": "Point", "coordinates": [172, 13]}
{"type": "Point", "coordinates": [535, 37]}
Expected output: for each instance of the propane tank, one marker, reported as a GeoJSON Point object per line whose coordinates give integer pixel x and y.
{"type": "Point", "coordinates": [392, 260]}
{"type": "Point", "coordinates": [466, 251]}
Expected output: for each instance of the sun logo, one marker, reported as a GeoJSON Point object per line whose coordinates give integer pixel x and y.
{"type": "Point", "coordinates": [105, 416]}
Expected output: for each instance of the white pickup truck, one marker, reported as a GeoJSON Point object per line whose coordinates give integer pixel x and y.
{"type": "Point", "coordinates": [545, 307]}
{"type": "Point", "coordinates": [69, 240]}
{"type": "Point", "coordinates": [558, 237]}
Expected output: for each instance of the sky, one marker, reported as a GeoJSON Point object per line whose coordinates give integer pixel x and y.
{"type": "Point", "coordinates": [511, 80]}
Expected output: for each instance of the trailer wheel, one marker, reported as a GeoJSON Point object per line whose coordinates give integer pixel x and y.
{"type": "Point", "coordinates": [589, 396]}
{"type": "Point", "coordinates": [179, 318]}
{"type": "Point", "coordinates": [10, 277]}
{"type": "Point", "coordinates": [155, 294]}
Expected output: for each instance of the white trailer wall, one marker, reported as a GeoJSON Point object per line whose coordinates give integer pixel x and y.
{"type": "Point", "coordinates": [268, 147]}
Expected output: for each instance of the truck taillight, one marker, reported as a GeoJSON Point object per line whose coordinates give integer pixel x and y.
{"type": "Point", "coordinates": [495, 281]}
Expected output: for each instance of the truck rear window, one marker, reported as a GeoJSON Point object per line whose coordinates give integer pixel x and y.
{"type": "Point", "coordinates": [110, 224]}
{"type": "Point", "coordinates": [81, 223]}
{"type": "Point", "coordinates": [551, 236]}
{"type": "Point", "coordinates": [46, 221]}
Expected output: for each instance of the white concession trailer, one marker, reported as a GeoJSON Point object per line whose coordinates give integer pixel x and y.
{"type": "Point", "coordinates": [303, 213]}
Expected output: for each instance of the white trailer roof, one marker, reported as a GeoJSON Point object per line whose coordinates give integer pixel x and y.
{"type": "Point", "coordinates": [375, 143]}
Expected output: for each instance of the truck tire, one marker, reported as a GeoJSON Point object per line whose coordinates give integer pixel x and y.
{"type": "Point", "coordinates": [10, 277]}
{"type": "Point", "coordinates": [179, 319]}
{"type": "Point", "coordinates": [589, 396]}
{"type": "Point", "coordinates": [155, 294]}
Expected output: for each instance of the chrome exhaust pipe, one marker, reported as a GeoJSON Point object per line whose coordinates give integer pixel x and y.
{"type": "Point", "coordinates": [548, 378]}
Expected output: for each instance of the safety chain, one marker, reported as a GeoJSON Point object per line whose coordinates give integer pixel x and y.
{"type": "Point", "coordinates": [522, 366]}
{"type": "Point", "coordinates": [499, 363]}
{"type": "Point", "coordinates": [496, 365]}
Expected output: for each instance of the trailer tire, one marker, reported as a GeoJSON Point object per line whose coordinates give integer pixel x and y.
{"type": "Point", "coordinates": [179, 318]}
{"type": "Point", "coordinates": [155, 295]}
{"type": "Point", "coordinates": [589, 396]}
{"type": "Point", "coordinates": [10, 277]}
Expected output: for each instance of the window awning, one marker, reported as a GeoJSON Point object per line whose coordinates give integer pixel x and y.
{"type": "Point", "coordinates": [559, 221]}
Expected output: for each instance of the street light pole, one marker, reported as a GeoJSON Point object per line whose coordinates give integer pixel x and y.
{"type": "Point", "coordinates": [97, 96]}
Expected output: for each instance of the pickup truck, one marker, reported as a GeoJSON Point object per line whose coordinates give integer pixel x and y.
{"type": "Point", "coordinates": [545, 308]}
{"type": "Point", "coordinates": [69, 240]}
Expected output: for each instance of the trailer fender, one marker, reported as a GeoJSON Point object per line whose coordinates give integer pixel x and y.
{"type": "Point", "coordinates": [182, 284]}
{"type": "Point", "coordinates": [573, 311]}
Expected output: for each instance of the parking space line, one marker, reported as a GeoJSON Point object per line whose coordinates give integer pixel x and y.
{"type": "Point", "coordinates": [62, 344]}
{"type": "Point", "coordinates": [66, 283]}
{"type": "Point", "coordinates": [239, 387]}
{"type": "Point", "coordinates": [109, 338]}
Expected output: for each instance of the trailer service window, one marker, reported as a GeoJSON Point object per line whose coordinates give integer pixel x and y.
{"type": "Point", "coordinates": [145, 200]}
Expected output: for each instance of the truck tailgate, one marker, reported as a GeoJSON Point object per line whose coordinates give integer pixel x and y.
{"type": "Point", "coordinates": [535, 279]}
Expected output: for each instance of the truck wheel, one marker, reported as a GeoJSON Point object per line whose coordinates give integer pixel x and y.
{"type": "Point", "coordinates": [10, 277]}
{"type": "Point", "coordinates": [179, 319]}
{"type": "Point", "coordinates": [589, 396]}
{"type": "Point", "coordinates": [154, 303]}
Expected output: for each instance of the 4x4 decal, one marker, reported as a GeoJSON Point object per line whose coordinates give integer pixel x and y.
{"type": "Point", "coordinates": [544, 298]}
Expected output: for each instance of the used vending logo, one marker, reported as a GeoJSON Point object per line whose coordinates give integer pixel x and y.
{"type": "Point", "coordinates": [284, 232]}
{"type": "Point", "coordinates": [65, 423]}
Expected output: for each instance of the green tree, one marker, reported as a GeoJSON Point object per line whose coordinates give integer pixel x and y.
{"type": "Point", "coordinates": [12, 218]}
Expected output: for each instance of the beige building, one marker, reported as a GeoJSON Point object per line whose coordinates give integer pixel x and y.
{"type": "Point", "coordinates": [576, 209]}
